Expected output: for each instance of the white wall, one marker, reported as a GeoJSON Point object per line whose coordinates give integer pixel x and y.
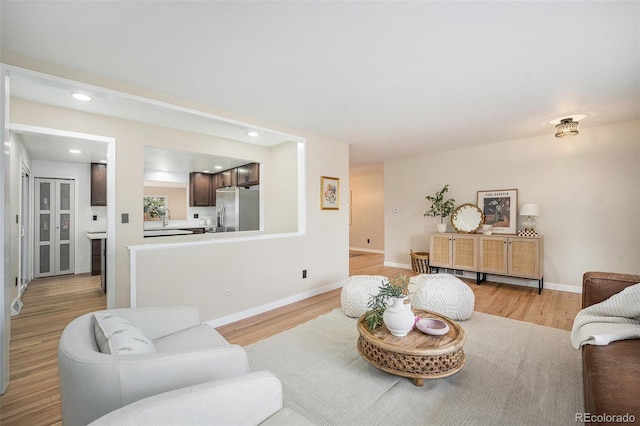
{"type": "Point", "coordinates": [587, 188]}
{"type": "Point", "coordinates": [280, 203]}
{"type": "Point", "coordinates": [258, 274]}
{"type": "Point", "coordinates": [367, 211]}
{"type": "Point", "coordinates": [19, 156]}
{"type": "Point", "coordinates": [272, 270]}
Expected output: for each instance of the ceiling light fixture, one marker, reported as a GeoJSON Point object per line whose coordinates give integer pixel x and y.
{"type": "Point", "coordinates": [81, 97]}
{"type": "Point", "coordinates": [566, 128]}
{"type": "Point", "coordinates": [75, 151]}
{"type": "Point", "coordinates": [253, 134]}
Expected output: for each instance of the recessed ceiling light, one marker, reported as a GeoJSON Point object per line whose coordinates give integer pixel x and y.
{"type": "Point", "coordinates": [205, 171]}
{"type": "Point", "coordinates": [103, 161]}
{"type": "Point", "coordinates": [218, 167]}
{"type": "Point", "coordinates": [81, 97]}
{"type": "Point", "coordinates": [75, 151]}
{"type": "Point", "coordinates": [253, 134]}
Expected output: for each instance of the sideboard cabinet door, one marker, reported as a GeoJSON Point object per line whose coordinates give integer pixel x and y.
{"type": "Point", "coordinates": [493, 255]}
{"type": "Point", "coordinates": [465, 252]}
{"type": "Point", "coordinates": [525, 257]}
{"type": "Point", "coordinates": [441, 253]}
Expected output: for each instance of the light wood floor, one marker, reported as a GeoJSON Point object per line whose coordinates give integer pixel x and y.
{"type": "Point", "coordinates": [551, 308]}
{"type": "Point", "coordinates": [33, 396]}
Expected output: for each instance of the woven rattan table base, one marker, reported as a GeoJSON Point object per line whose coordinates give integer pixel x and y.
{"type": "Point", "coordinates": [412, 366]}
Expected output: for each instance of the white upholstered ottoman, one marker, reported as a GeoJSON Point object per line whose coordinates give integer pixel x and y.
{"type": "Point", "coordinates": [356, 292]}
{"type": "Point", "coordinates": [442, 293]}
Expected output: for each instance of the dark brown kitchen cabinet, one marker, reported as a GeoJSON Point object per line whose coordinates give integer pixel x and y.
{"type": "Point", "coordinates": [197, 230]}
{"type": "Point", "coordinates": [98, 184]}
{"type": "Point", "coordinates": [99, 261]}
{"type": "Point", "coordinates": [249, 175]}
{"type": "Point", "coordinates": [227, 178]}
{"type": "Point", "coordinates": [96, 257]}
{"type": "Point", "coordinates": [202, 191]}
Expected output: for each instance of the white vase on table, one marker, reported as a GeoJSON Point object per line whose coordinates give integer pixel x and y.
{"type": "Point", "coordinates": [399, 317]}
{"type": "Point", "coordinates": [442, 227]}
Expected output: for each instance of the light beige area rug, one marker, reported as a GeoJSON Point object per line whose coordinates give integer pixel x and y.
{"type": "Point", "coordinates": [516, 373]}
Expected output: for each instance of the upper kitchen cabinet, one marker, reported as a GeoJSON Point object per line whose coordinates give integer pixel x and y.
{"type": "Point", "coordinates": [249, 175]}
{"type": "Point", "coordinates": [227, 178]}
{"type": "Point", "coordinates": [202, 192]}
{"type": "Point", "coordinates": [98, 184]}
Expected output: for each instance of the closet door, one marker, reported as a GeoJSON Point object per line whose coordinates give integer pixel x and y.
{"type": "Point", "coordinates": [54, 251]}
{"type": "Point", "coordinates": [64, 253]}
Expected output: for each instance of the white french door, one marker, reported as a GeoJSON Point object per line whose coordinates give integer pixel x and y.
{"type": "Point", "coordinates": [54, 226]}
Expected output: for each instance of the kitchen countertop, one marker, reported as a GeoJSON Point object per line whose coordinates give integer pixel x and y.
{"type": "Point", "coordinates": [97, 235]}
{"type": "Point", "coordinates": [165, 232]}
{"type": "Point", "coordinates": [159, 226]}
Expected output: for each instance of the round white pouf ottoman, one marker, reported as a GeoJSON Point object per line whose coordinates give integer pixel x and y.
{"type": "Point", "coordinates": [444, 294]}
{"type": "Point", "coordinates": [356, 292]}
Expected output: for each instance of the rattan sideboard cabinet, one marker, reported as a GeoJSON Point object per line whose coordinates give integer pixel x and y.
{"type": "Point", "coordinates": [457, 251]}
{"type": "Point", "coordinates": [508, 255]}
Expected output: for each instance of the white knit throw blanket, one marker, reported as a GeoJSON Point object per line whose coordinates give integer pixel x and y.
{"type": "Point", "coordinates": [617, 318]}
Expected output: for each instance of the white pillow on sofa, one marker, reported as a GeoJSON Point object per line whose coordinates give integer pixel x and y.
{"type": "Point", "coordinates": [117, 336]}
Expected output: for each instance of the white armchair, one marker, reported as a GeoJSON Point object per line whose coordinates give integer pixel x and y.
{"type": "Point", "coordinates": [251, 399]}
{"type": "Point", "coordinates": [93, 384]}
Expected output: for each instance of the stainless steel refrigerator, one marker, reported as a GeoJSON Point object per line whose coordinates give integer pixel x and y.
{"type": "Point", "coordinates": [238, 209]}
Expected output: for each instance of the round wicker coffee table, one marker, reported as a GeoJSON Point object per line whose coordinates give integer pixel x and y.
{"type": "Point", "coordinates": [417, 356]}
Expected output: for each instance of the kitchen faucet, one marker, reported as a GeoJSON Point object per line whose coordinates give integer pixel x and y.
{"type": "Point", "coordinates": [165, 217]}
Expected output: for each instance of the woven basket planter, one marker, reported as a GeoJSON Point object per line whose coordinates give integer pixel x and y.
{"type": "Point", "coordinates": [420, 262]}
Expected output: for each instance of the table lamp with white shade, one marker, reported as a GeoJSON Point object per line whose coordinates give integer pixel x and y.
{"type": "Point", "coordinates": [530, 210]}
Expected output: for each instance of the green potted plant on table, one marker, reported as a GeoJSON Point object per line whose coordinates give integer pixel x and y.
{"type": "Point", "coordinates": [440, 207]}
{"type": "Point", "coordinates": [398, 317]}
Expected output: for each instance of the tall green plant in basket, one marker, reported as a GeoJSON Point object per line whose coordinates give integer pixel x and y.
{"type": "Point", "coordinates": [440, 207]}
{"type": "Point", "coordinates": [378, 303]}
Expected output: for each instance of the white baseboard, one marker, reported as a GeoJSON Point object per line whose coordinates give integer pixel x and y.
{"type": "Point", "coordinates": [16, 306]}
{"type": "Point", "coordinates": [507, 280]}
{"type": "Point", "coordinates": [397, 265]}
{"type": "Point", "coordinates": [366, 250]}
{"type": "Point", "coordinates": [273, 305]}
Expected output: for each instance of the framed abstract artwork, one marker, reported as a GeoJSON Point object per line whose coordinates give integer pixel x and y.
{"type": "Point", "coordinates": [329, 193]}
{"type": "Point", "coordinates": [499, 208]}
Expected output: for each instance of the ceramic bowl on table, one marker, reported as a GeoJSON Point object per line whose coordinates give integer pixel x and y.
{"type": "Point", "coordinates": [432, 326]}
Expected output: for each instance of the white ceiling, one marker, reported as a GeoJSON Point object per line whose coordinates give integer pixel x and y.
{"type": "Point", "coordinates": [56, 148]}
{"type": "Point", "coordinates": [391, 78]}
{"type": "Point", "coordinates": [56, 91]}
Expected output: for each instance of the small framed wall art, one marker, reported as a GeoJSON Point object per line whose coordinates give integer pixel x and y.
{"type": "Point", "coordinates": [329, 193]}
{"type": "Point", "coordinates": [499, 208]}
